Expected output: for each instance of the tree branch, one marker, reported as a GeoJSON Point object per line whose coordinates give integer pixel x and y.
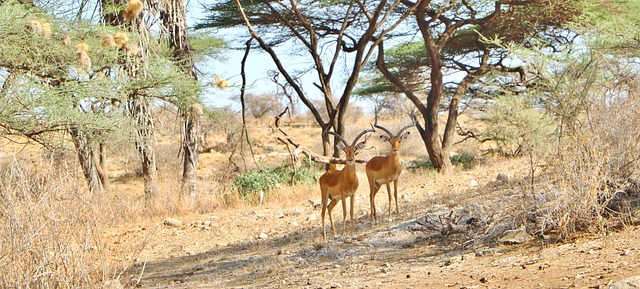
{"type": "Point", "coordinates": [299, 149]}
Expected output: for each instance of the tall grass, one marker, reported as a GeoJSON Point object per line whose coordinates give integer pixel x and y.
{"type": "Point", "coordinates": [50, 229]}
{"type": "Point", "coordinates": [591, 171]}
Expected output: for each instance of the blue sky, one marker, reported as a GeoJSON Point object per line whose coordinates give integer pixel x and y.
{"type": "Point", "coordinates": [257, 68]}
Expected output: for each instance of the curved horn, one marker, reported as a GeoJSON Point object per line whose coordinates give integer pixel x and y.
{"type": "Point", "coordinates": [355, 141]}
{"type": "Point", "coordinates": [339, 137]}
{"type": "Point", "coordinates": [413, 123]}
{"type": "Point", "coordinates": [381, 127]}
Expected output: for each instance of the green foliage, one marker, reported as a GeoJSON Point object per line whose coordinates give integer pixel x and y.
{"type": "Point", "coordinates": [225, 14]}
{"type": "Point", "coordinates": [466, 160]}
{"type": "Point", "coordinates": [205, 44]}
{"type": "Point", "coordinates": [616, 20]}
{"type": "Point", "coordinates": [418, 164]}
{"type": "Point", "coordinates": [406, 60]}
{"type": "Point", "coordinates": [517, 126]}
{"type": "Point", "coordinates": [48, 89]}
{"type": "Point", "coordinates": [251, 183]}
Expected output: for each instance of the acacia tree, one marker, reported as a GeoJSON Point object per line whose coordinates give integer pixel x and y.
{"type": "Point", "coordinates": [118, 13]}
{"type": "Point", "coordinates": [57, 79]}
{"type": "Point", "coordinates": [468, 37]}
{"type": "Point", "coordinates": [330, 33]}
{"type": "Point", "coordinates": [174, 21]}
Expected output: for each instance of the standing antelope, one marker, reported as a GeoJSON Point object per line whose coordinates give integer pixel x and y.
{"type": "Point", "coordinates": [386, 169]}
{"type": "Point", "coordinates": [341, 184]}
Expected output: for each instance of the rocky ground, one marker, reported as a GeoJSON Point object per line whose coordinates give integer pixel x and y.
{"type": "Point", "coordinates": [449, 234]}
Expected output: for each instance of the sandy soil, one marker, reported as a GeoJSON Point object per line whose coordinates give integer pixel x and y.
{"type": "Point", "coordinates": [272, 246]}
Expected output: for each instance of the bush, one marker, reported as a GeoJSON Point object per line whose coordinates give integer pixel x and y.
{"type": "Point", "coordinates": [517, 126]}
{"type": "Point", "coordinates": [592, 175]}
{"type": "Point", "coordinates": [464, 159]}
{"type": "Point", "coordinates": [259, 105]}
{"type": "Point", "coordinates": [254, 185]}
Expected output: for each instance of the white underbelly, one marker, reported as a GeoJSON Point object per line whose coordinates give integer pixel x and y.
{"type": "Point", "coordinates": [384, 181]}
{"type": "Point", "coordinates": [339, 196]}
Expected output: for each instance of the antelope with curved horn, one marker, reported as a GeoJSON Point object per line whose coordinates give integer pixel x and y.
{"type": "Point", "coordinates": [386, 169]}
{"type": "Point", "coordinates": [336, 185]}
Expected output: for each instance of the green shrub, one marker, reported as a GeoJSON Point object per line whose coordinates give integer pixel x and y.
{"type": "Point", "coordinates": [251, 183]}
{"type": "Point", "coordinates": [419, 164]}
{"type": "Point", "coordinates": [466, 160]}
{"type": "Point", "coordinates": [517, 126]}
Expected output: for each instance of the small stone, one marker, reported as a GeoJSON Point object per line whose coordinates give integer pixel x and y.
{"type": "Point", "coordinates": [629, 283]}
{"type": "Point", "coordinates": [171, 222]}
{"type": "Point", "coordinates": [473, 183]}
{"type": "Point", "coordinates": [502, 178]}
{"type": "Point", "coordinates": [112, 284]}
{"type": "Point", "coordinates": [263, 235]}
{"type": "Point", "coordinates": [517, 236]}
{"type": "Point", "coordinates": [315, 203]}
{"type": "Point", "coordinates": [279, 215]}
{"type": "Point", "coordinates": [293, 212]}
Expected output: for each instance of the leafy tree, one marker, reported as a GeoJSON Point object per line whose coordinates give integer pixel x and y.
{"type": "Point", "coordinates": [330, 34]}
{"type": "Point", "coordinates": [61, 76]}
{"type": "Point", "coordinates": [129, 14]}
{"type": "Point", "coordinates": [471, 39]}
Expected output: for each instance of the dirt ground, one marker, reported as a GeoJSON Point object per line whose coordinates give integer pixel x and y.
{"type": "Point", "coordinates": [273, 246]}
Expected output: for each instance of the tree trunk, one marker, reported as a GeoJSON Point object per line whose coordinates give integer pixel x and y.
{"type": "Point", "coordinates": [145, 141]}
{"type": "Point", "coordinates": [87, 160]}
{"type": "Point", "coordinates": [190, 153]}
{"type": "Point", "coordinates": [430, 134]}
{"type": "Point", "coordinates": [102, 167]}
{"type": "Point", "coordinates": [173, 17]}
{"type": "Point", "coordinates": [138, 106]}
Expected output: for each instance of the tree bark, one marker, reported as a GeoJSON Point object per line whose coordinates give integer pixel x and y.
{"type": "Point", "coordinates": [173, 18]}
{"type": "Point", "coordinates": [138, 106]}
{"type": "Point", "coordinates": [190, 153]}
{"type": "Point", "coordinates": [87, 160]}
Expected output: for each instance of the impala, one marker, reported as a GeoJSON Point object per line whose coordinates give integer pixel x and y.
{"type": "Point", "coordinates": [386, 169]}
{"type": "Point", "coordinates": [336, 185]}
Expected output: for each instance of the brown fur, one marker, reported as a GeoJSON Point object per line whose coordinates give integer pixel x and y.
{"type": "Point", "coordinates": [385, 170]}
{"type": "Point", "coordinates": [336, 185]}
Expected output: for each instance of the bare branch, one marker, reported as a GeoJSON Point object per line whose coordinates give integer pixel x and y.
{"type": "Point", "coordinates": [299, 149]}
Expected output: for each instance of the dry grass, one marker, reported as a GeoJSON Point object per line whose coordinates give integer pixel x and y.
{"type": "Point", "coordinates": [51, 229]}
{"type": "Point", "coordinates": [55, 234]}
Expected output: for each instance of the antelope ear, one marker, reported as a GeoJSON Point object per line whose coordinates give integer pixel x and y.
{"type": "Point", "coordinates": [384, 137]}
{"type": "Point", "coordinates": [340, 146]}
{"type": "Point", "coordinates": [359, 146]}
{"type": "Point", "coordinates": [404, 135]}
